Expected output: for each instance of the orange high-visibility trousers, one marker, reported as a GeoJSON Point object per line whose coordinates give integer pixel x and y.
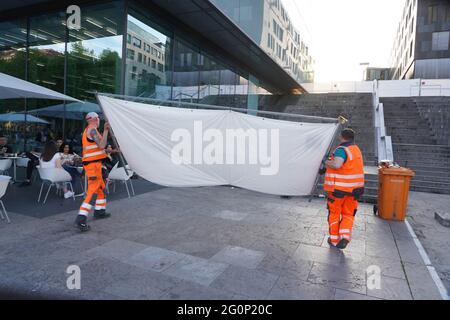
{"type": "Point", "coordinates": [341, 215]}
{"type": "Point", "coordinates": [96, 185]}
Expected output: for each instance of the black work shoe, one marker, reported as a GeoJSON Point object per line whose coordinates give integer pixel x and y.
{"type": "Point", "coordinates": [25, 184]}
{"type": "Point", "coordinates": [342, 244]}
{"type": "Point", "coordinates": [81, 223]}
{"type": "Point", "coordinates": [101, 214]}
{"type": "Point", "coordinates": [330, 243]}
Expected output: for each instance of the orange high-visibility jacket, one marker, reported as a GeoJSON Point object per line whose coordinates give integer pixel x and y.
{"type": "Point", "coordinates": [348, 177]}
{"type": "Point", "coordinates": [91, 151]}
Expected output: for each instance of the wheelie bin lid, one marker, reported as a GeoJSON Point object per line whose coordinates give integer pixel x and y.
{"type": "Point", "coordinates": [396, 171]}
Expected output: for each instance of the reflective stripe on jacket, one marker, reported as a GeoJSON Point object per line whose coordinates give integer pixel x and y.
{"type": "Point", "coordinates": [91, 151]}
{"type": "Point", "coordinates": [348, 177]}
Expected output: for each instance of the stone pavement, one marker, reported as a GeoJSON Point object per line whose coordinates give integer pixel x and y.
{"type": "Point", "coordinates": [210, 243]}
{"type": "Point", "coordinates": [434, 237]}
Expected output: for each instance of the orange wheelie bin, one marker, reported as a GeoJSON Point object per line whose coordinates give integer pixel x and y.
{"type": "Point", "coordinates": [393, 192]}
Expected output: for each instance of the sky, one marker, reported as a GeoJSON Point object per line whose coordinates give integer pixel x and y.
{"type": "Point", "coordinates": [344, 33]}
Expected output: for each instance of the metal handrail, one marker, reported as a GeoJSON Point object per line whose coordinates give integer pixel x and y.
{"type": "Point", "coordinates": [208, 106]}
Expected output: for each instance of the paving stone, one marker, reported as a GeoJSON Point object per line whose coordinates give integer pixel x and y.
{"type": "Point", "coordinates": [238, 256]}
{"type": "Point", "coordinates": [382, 248]}
{"type": "Point", "coordinates": [341, 277]}
{"type": "Point", "coordinates": [420, 282]}
{"type": "Point", "coordinates": [149, 285]}
{"type": "Point", "coordinates": [287, 288]}
{"type": "Point", "coordinates": [85, 240]}
{"type": "Point", "coordinates": [101, 272]}
{"type": "Point", "coordinates": [255, 284]}
{"type": "Point", "coordinates": [399, 230]}
{"type": "Point", "coordinates": [156, 259]}
{"type": "Point", "coordinates": [264, 219]}
{"type": "Point", "coordinates": [196, 270]}
{"type": "Point", "coordinates": [231, 215]}
{"type": "Point", "coordinates": [198, 248]}
{"type": "Point", "coordinates": [290, 267]}
{"type": "Point", "coordinates": [117, 249]}
{"type": "Point", "coordinates": [409, 252]}
{"type": "Point", "coordinates": [391, 289]}
{"type": "Point", "coordinates": [331, 256]}
{"type": "Point", "coordinates": [348, 295]}
{"type": "Point", "coordinates": [193, 291]}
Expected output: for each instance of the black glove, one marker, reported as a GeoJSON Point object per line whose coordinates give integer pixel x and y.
{"type": "Point", "coordinates": [323, 168]}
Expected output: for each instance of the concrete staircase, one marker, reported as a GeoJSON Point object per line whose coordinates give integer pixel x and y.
{"type": "Point", "coordinates": [419, 127]}
{"type": "Point", "coordinates": [356, 107]}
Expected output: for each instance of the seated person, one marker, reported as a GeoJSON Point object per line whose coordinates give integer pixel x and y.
{"type": "Point", "coordinates": [50, 158]}
{"type": "Point", "coordinates": [68, 160]}
{"type": "Point", "coordinates": [34, 161]}
{"type": "Point", "coordinates": [4, 147]}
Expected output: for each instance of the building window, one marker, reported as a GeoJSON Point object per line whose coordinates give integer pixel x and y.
{"type": "Point", "coordinates": [130, 54]}
{"type": "Point", "coordinates": [411, 49]}
{"type": "Point", "coordinates": [270, 41]}
{"type": "Point", "coordinates": [137, 42]}
{"type": "Point", "coordinates": [432, 14]}
{"type": "Point", "coordinates": [139, 57]}
{"type": "Point", "coordinates": [440, 41]}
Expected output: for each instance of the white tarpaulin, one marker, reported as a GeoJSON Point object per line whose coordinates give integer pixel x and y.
{"type": "Point", "coordinates": [180, 147]}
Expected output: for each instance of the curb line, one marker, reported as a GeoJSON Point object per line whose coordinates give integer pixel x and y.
{"type": "Point", "coordinates": [437, 281]}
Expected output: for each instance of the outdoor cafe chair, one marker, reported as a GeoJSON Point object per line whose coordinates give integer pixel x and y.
{"type": "Point", "coordinates": [119, 174]}
{"type": "Point", "coordinates": [4, 182]}
{"type": "Point", "coordinates": [53, 176]}
{"type": "Point", "coordinates": [5, 165]}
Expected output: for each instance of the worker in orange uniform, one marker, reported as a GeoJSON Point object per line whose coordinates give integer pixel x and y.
{"type": "Point", "coordinates": [344, 183]}
{"type": "Point", "coordinates": [94, 153]}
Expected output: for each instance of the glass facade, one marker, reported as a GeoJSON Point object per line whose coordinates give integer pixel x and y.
{"type": "Point", "coordinates": [118, 48]}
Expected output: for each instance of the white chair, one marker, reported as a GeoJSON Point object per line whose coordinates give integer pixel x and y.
{"type": "Point", "coordinates": [5, 164]}
{"type": "Point", "coordinates": [22, 162]}
{"type": "Point", "coordinates": [119, 174]}
{"type": "Point", "coordinates": [4, 182]}
{"type": "Point", "coordinates": [54, 176]}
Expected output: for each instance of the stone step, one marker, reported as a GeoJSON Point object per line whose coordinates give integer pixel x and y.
{"type": "Point", "coordinates": [423, 166]}
{"type": "Point", "coordinates": [436, 190]}
{"type": "Point", "coordinates": [421, 162]}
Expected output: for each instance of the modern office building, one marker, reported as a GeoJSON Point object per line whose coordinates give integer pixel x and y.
{"type": "Point", "coordinates": [268, 23]}
{"type": "Point", "coordinates": [421, 48]}
{"type": "Point", "coordinates": [371, 73]}
{"type": "Point", "coordinates": [164, 49]}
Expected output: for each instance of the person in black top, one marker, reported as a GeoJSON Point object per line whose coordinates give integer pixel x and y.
{"type": "Point", "coordinates": [4, 147]}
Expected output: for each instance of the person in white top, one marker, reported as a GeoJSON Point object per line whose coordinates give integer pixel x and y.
{"type": "Point", "coordinates": [50, 158]}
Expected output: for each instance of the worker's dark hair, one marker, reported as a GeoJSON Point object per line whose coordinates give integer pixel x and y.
{"type": "Point", "coordinates": [348, 134]}
{"type": "Point", "coordinates": [49, 151]}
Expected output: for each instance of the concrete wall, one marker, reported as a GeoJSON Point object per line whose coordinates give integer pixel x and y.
{"type": "Point", "coordinates": [386, 88]}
